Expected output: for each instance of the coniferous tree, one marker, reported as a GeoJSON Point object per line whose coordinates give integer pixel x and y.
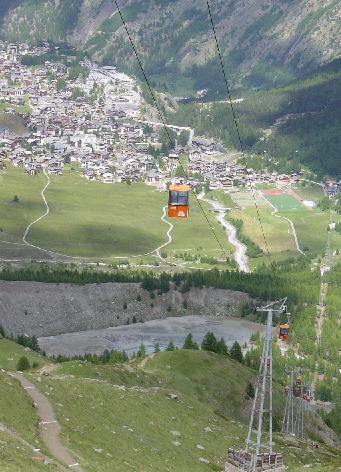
{"type": "Point", "coordinates": [236, 352]}
{"type": "Point", "coordinates": [170, 346]}
{"type": "Point", "coordinates": [105, 356]}
{"type": "Point", "coordinates": [157, 347]}
{"type": "Point", "coordinates": [141, 351]}
{"type": "Point", "coordinates": [221, 347]}
{"type": "Point", "coordinates": [250, 390]}
{"type": "Point", "coordinates": [209, 343]}
{"type": "Point", "coordinates": [189, 343]}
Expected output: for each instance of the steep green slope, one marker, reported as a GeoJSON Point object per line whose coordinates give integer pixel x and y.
{"type": "Point", "coordinates": [297, 124]}
{"type": "Point", "coordinates": [116, 424]}
{"type": "Point", "coordinates": [120, 418]}
{"type": "Point", "coordinates": [267, 42]}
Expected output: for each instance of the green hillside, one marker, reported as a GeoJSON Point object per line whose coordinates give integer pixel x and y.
{"type": "Point", "coordinates": [297, 124]}
{"type": "Point", "coordinates": [95, 218]}
{"type": "Point", "coordinates": [120, 418]}
{"type": "Point", "coordinates": [263, 43]}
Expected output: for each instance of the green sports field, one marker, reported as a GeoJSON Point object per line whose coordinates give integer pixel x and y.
{"type": "Point", "coordinates": [284, 202]}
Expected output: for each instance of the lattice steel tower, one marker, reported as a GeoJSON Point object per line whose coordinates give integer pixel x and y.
{"type": "Point", "coordinates": [258, 454]}
{"type": "Point", "coordinates": [292, 415]}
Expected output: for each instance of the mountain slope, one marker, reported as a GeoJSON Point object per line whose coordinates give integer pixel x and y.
{"type": "Point", "coordinates": [268, 43]}
{"type": "Point", "coordinates": [297, 124]}
{"type": "Point", "coordinates": [121, 417]}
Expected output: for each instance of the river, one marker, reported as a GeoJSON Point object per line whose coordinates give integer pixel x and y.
{"type": "Point", "coordinates": [13, 123]}
{"type": "Point", "coordinates": [129, 337]}
{"type": "Point", "coordinates": [240, 253]}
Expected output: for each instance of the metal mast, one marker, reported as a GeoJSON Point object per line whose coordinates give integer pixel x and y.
{"type": "Point", "coordinates": [262, 405]}
{"type": "Point", "coordinates": [300, 404]}
{"type": "Point", "coordinates": [290, 421]}
{"type": "Point", "coordinates": [258, 454]}
{"type": "Point", "coordinates": [288, 418]}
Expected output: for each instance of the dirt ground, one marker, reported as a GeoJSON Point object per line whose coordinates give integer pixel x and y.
{"type": "Point", "coordinates": [45, 309]}
{"type": "Point", "coordinates": [129, 338]}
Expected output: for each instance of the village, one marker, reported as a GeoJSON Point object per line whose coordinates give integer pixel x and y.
{"type": "Point", "coordinates": [95, 117]}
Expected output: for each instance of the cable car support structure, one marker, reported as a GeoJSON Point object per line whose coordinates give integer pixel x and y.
{"type": "Point", "coordinates": [258, 454]}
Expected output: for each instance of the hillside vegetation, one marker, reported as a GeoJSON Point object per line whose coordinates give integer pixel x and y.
{"type": "Point", "coordinates": [263, 43]}
{"type": "Point", "coordinates": [297, 124]}
{"type": "Point", "coordinates": [120, 418]}
{"type": "Point", "coordinates": [95, 218]}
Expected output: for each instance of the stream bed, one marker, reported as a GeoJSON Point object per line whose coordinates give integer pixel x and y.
{"type": "Point", "coordinates": [240, 253]}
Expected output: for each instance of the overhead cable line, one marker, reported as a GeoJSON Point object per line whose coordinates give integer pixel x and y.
{"type": "Point", "coordinates": [237, 126]}
{"type": "Point", "coordinates": [165, 125]}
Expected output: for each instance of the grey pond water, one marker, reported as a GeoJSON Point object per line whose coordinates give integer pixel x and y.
{"type": "Point", "coordinates": [128, 338]}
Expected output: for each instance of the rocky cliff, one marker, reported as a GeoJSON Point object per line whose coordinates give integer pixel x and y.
{"type": "Point", "coordinates": [45, 309]}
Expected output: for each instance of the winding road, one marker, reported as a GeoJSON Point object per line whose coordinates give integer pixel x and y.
{"type": "Point", "coordinates": [168, 234]}
{"type": "Point", "coordinates": [240, 253]}
{"type": "Point", "coordinates": [47, 211]}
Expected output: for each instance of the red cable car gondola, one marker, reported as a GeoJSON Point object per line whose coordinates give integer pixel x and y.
{"type": "Point", "coordinates": [299, 381]}
{"type": "Point", "coordinates": [178, 201]}
{"type": "Point", "coordinates": [284, 332]}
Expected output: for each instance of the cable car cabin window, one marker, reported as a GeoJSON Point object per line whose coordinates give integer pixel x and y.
{"type": "Point", "coordinates": [178, 198]}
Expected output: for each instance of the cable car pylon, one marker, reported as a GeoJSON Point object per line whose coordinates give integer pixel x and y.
{"type": "Point", "coordinates": [289, 418]}
{"type": "Point", "coordinates": [258, 454]}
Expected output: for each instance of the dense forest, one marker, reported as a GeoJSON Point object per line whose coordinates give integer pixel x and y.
{"type": "Point", "coordinates": [266, 284]}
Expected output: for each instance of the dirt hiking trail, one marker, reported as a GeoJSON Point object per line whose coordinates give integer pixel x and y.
{"type": "Point", "coordinates": [49, 426]}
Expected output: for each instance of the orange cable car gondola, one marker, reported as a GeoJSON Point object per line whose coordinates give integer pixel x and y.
{"type": "Point", "coordinates": [299, 381]}
{"type": "Point", "coordinates": [284, 332]}
{"type": "Point", "coordinates": [286, 390]}
{"type": "Point", "coordinates": [178, 205]}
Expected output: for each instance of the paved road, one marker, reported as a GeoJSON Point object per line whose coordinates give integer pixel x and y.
{"type": "Point", "coordinates": [49, 426]}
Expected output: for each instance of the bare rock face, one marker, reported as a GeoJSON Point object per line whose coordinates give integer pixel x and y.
{"type": "Point", "coordinates": [45, 309]}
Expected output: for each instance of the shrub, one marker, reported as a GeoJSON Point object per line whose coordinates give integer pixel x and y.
{"type": "Point", "coordinates": [23, 363]}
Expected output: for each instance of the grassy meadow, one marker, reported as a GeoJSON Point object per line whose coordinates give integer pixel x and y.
{"type": "Point", "coordinates": [17, 456]}
{"type": "Point", "coordinates": [11, 352]}
{"type": "Point", "coordinates": [115, 424]}
{"type": "Point", "coordinates": [17, 413]}
{"type": "Point", "coordinates": [309, 191]}
{"type": "Point", "coordinates": [105, 222]}
{"type": "Point", "coordinates": [15, 216]}
{"type": "Point", "coordinates": [94, 220]}
{"type": "Point", "coordinates": [277, 232]}
{"type": "Point", "coordinates": [120, 417]}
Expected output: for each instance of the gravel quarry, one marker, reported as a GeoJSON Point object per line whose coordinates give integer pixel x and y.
{"type": "Point", "coordinates": [129, 338]}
